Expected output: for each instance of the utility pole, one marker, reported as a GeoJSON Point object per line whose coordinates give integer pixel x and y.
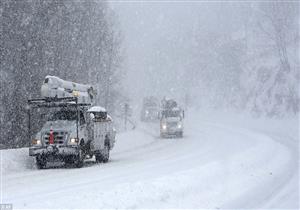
{"type": "Point", "coordinates": [126, 109]}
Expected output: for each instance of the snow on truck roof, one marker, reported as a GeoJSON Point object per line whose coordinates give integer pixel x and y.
{"type": "Point", "coordinates": [97, 109]}
{"type": "Point", "coordinates": [176, 109]}
{"type": "Point", "coordinates": [172, 109]}
{"type": "Point", "coordinates": [67, 84]}
{"type": "Point", "coordinates": [55, 87]}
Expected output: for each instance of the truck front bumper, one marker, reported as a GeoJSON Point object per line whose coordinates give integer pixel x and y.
{"type": "Point", "coordinates": [54, 150]}
{"type": "Point", "coordinates": [171, 131]}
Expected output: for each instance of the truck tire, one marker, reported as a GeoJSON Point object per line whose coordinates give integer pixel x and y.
{"type": "Point", "coordinates": [98, 157]}
{"type": "Point", "coordinates": [69, 160]}
{"type": "Point", "coordinates": [106, 153]}
{"type": "Point", "coordinates": [41, 162]}
{"type": "Point", "coordinates": [180, 135]}
{"type": "Point", "coordinates": [103, 155]}
{"type": "Point", "coordinates": [79, 159]}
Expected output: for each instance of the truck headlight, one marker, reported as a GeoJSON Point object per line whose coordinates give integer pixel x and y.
{"type": "Point", "coordinates": [73, 140]}
{"type": "Point", "coordinates": [179, 125]}
{"type": "Point", "coordinates": [36, 142]}
{"type": "Point", "coordinates": [164, 126]}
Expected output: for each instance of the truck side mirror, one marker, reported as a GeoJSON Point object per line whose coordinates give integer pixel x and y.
{"type": "Point", "coordinates": [81, 119]}
{"type": "Point", "coordinates": [92, 116]}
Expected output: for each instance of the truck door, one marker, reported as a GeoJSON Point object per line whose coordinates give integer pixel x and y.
{"type": "Point", "coordinates": [83, 134]}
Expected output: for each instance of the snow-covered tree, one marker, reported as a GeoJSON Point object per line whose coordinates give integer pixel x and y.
{"type": "Point", "coordinates": [74, 40]}
{"type": "Point", "coordinates": [271, 76]}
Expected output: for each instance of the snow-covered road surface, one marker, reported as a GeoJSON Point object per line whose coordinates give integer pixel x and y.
{"type": "Point", "coordinates": [215, 165]}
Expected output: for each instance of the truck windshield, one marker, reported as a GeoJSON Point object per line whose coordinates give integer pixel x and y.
{"type": "Point", "coordinates": [171, 113]}
{"type": "Point", "coordinates": [150, 104]}
{"type": "Point", "coordinates": [63, 115]}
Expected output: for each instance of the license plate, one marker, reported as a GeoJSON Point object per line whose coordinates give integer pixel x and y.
{"type": "Point", "coordinates": [50, 148]}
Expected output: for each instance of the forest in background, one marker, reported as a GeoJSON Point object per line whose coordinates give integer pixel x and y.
{"type": "Point", "coordinates": [228, 55]}
{"type": "Point", "coordinates": [225, 55]}
{"type": "Point", "coordinates": [75, 40]}
{"type": "Point", "coordinates": [253, 63]}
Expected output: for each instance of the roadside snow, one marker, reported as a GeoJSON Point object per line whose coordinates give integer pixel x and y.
{"type": "Point", "coordinates": [16, 161]}
{"type": "Point", "coordinates": [223, 161]}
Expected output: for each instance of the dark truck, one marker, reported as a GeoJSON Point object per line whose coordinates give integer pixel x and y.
{"type": "Point", "coordinates": [150, 109]}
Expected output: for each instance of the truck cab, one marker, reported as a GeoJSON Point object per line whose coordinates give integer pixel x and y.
{"type": "Point", "coordinates": [150, 109]}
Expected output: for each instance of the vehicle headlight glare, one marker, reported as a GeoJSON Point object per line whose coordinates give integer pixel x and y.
{"type": "Point", "coordinates": [164, 126]}
{"type": "Point", "coordinates": [36, 142]}
{"type": "Point", "coordinates": [73, 140]}
{"type": "Point", "coordinates": [179, 125]}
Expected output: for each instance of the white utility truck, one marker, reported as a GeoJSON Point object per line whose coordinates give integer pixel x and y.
{"type": "Point", "coordinates": [171, 119]}
{"type": "Point", "coordinates": [72, 128]}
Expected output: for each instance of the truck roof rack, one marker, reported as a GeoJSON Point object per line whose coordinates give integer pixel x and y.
{"type": "Point", "coordinates": [56, 102]}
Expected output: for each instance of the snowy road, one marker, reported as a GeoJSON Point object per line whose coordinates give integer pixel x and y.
{"type": "Point", "coordinates": [216, 165]}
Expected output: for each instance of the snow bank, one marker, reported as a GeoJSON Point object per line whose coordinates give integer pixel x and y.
{"type": "Point", "coordinates": [16, 160]}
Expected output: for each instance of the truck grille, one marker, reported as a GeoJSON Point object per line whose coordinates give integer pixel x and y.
{"type": "Point", "coordinates": [172, 124]}
{"type": "Point", "coordinates": [59, 137]}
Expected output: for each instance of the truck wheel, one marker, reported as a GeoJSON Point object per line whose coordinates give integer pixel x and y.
{"type": "Point", "coordinates": [41, 162]}
{"type": "Point", "coordinates": [180, 135]}
{"type": "Point", "coordinates": [98, 158]}
{"type": "Point", "coordinates": [103, 155]}
{"type": "Point", "coordinates": [69, 160]}
{"type": "Point", "coordinates": [79, 159]}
